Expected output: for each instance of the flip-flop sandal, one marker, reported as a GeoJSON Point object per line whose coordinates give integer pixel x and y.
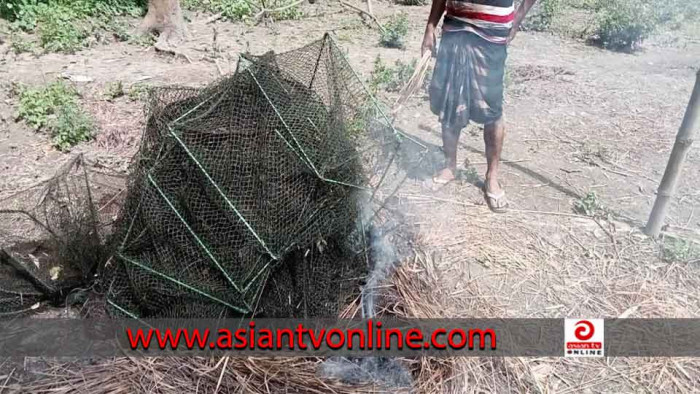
{"type": "Point", "coordinates": [496, 201]}
{"type": "Point", "coordinates": [441, 181]}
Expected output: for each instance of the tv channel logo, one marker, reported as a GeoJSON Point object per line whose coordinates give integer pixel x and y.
{"type": "Point", "coordinates": [584, 338]}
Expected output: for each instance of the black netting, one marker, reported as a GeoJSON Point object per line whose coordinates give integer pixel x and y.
{"type": "Point", "coordinates": [52, 237]}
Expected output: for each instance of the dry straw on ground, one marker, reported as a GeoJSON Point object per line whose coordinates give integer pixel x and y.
{"type": "Point", "coordinates": [229, 374]}
{"type": "Point", "coordinates": [539, 264]}
{"type": "Point", "coordinates": [624, 279]}
{"type": "Point", "coordinates": [518, 264]}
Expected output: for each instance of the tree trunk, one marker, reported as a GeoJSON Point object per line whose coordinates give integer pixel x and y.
{"type": "Point", "coordinates": [165, 18]}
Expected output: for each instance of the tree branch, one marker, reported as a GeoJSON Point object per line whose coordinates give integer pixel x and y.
{"type": "Point", "coordinates": [363, 12]}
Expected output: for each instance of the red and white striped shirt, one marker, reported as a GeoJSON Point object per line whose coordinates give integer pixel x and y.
{"type": "Point", "coordinates": [490, 19]}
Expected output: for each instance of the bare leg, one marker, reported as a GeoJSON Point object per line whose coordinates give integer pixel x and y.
{"type": "Point", "coordinates": [450, 137]}
{"type": "Point", "coordinates": [493, 139]}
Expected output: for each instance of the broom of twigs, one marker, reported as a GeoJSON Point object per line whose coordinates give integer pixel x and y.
{"type": "Point", "coordinates": [413, 84]}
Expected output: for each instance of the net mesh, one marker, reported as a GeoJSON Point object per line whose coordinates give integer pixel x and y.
{"type": "Point", "coordinates": [52, 236]}
{"type": "Point", "coordinates": [253, 195]}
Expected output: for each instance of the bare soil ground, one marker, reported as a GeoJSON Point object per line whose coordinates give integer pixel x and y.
{"type": "Point", "coordinates": [579, 119]}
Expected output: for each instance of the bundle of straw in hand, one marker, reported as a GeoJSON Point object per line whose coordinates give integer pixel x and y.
{"type": "Point", "coordinates": [413, 84]}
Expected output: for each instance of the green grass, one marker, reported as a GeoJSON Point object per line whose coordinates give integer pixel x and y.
{"type": "Point", "coordinates": [55, 108]}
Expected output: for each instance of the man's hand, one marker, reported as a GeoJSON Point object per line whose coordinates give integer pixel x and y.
{"type": "Point", "coordinates": [523, 9]}
{"type": "Point", "coordinates": [429, 40]}
{"type": "Point", "coordinates": [513, 32]}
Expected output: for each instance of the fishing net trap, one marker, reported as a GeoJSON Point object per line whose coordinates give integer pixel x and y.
{"type": "Point", "coordinates": [52, 236]}
{"type": "Point", "coordinates": [255, 195]}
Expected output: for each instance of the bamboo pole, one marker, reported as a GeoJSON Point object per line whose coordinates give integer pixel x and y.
{"type": "Point", "coordinates": [684, 139]}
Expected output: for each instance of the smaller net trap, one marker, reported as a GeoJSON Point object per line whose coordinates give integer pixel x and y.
{"type": "Point", "coordinates": [52, 237]}
{"type": "Point", "coordinates": [255, 195]}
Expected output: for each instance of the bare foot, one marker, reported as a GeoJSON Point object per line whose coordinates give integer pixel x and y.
{"type": "Point", "coordinates": [445, 176]}
{"type": "Point", "coordinates": [492, 186]}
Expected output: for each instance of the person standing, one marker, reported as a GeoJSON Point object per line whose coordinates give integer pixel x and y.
{"type": "Point", "coordinates": [467, 83]}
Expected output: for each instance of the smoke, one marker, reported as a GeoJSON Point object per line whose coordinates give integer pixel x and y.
{"type": "Point", "coordinates": [371, 370]}
{"type": "Point", "coordinates": [382, 259]}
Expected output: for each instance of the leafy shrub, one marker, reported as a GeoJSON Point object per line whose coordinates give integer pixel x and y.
{"type": "Point", "coordinates": [381, 75]}
{"type": "Point", "coordinates": [144, 40]}
{"type": "Point", "coordinates": [120, 31]}
{"type": "Point", "coordinates": [241, 9]}
{"type": "Point", "coordinates": [71, 127]}
{"type": "Point", "coordinates": [624, 24]}
{"type": "Point", "coordinates": [55, 108]}
{"type": "Point", "coordinates": [358, 125]}
{"type": "Point", "coordinates": [395, 32]}
{"type": "Point", "coordinates": [391, 79]}
{"type": "Point", "coordinates": [66, 25]}
{"type": "Point", "coordinates": [674, 12]}
{"type": "Point", "coordinates": [24, 12]}
{"type": "Point", "coordinates": [114, 90]}
{"type": "Point", "coordinates": [37, 104]}
{"type": "Point", "coordinates": [614, 24]}
{"type": "Point", "coordinates": [137, 92]}
{"type": "Point", "coordinates": [470, 174]}
{"type": "Point", "coordinates": [582, 4]}
{"type": "Point", "coordinates": [230, 9]}
{"type": "Point", "coordinates": [58, 30]}
{"type": "Point", "coordinates": [589, 205]}
{"type": "Point", "coordinates": [543, 15]}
